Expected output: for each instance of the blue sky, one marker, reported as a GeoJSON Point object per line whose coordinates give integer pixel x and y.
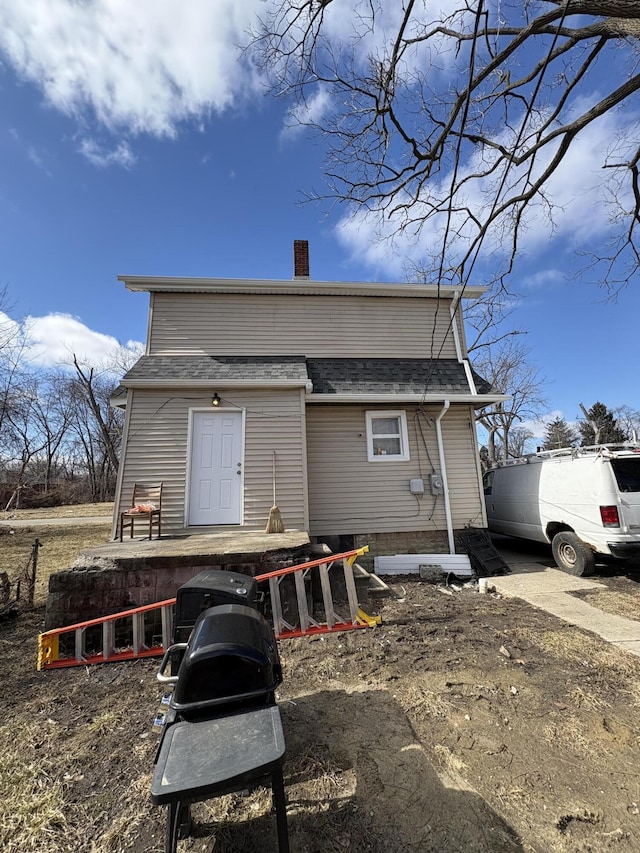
{"type": "Point", "coordinates": [133, 141]}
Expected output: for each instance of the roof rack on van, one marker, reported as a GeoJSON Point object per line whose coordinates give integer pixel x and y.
{"type": "Point", "coordinates": [574, 452]}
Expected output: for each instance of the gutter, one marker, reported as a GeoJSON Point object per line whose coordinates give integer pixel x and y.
{"type": "Point", "coordinates": [396, 399]}
{"type": "Point", "coordinates": [456, 338]}
{"type": "Point", "coordinates": [443, 472]}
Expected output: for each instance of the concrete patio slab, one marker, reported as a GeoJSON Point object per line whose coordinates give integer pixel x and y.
{"type": "Point", "coordinates": [217, 546]}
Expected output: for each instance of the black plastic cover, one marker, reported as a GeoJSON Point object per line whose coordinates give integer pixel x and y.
{"type": "Point", "coordinates": [232, 658]}
{"type": "Point", "coordinates": [210, 588]}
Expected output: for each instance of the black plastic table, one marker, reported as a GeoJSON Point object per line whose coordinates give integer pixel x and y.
{"type": "Point", "coordinates": [208, 758]}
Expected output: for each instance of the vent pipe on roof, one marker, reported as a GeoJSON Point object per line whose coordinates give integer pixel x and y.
{"type": "Point", "coordinates": [301, 259]}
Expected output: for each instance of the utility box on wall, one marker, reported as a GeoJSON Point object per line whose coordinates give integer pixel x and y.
{"type": "Point", "coordinates": [436, 484]}
{"type": "Point", "coordinates": [416, 487]}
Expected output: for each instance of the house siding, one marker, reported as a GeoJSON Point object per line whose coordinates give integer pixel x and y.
{"type": "Point", "coordinates": [157, 450]}
{"type": "Point", "coordinates": [349, 495]}
{"type": "Point", "coordinates": [329, 326]}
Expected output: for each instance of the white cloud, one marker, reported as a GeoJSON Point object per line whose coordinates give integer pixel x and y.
{"type": "Point", "coordinates": [367, 236]}
{"type": "Point", "coordinates": [121, 155]}
{"type": "Point", "coordinates": [308, 112]}
{"type": "Point", "coordinates": [145, 66]}
{"type": "Point", "coordinates": [538, 428]}
{"type": "Point", "coordinates": [52, 340]}
{"type": "Point", "coordinates": [543, 278]}
{"type": "Point", "coordinates": [38, 158]}
{"type": "Point", "coordinates": [140, 67]}
{"type": "Point", "coordinates": [580, 190]}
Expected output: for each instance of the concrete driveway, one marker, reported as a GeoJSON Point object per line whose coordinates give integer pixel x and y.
{"type": "Point", "coordinates": [535, 579]}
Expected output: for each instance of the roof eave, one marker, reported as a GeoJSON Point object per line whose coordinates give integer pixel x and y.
{"type": "Point", "coordinates": [306, 287]}
{"type": "Point", "coordinates": [214, 383]}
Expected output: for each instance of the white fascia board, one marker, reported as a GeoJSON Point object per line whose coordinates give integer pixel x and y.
{"type": "Point", "coordinates": [396, 399]}
{"type": "Point", "coordinates": [215, 383]}
{"type": "Point", "coordinates": [302, 287]}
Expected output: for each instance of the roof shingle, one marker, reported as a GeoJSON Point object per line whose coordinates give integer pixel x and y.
{"type": "Point", "coordinates": [328, 375]}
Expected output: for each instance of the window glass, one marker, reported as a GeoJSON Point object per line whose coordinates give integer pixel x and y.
{"type": "Point", "coordinates": [385, 426]}
{"type": "Point", "coordinates": [386, 446]}
{"type": "Point", "coordinates": [627, 473]}
{"type": "Point", "coordinates": [387, 436]}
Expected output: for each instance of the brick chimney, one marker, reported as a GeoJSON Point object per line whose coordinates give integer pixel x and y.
{"type": "Point", "coordinates": [301, 259]}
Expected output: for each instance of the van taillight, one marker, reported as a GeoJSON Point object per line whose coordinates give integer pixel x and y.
{"type": "Point", "coordinates": [609, 516]}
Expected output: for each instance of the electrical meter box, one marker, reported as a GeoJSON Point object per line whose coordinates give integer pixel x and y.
{"type": "Point", "coordinates": [435, 484]}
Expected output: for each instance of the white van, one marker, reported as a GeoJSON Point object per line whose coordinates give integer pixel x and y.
{"type": "Point", "coordinates": [585, 501]}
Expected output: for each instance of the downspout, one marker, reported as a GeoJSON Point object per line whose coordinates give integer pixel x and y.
{"type": "Point", "coordinates": [462, 359]}
{"type": "Point", "coordinates": [454, 325]}
{"type": "Point", "coordinates": [443, 472]}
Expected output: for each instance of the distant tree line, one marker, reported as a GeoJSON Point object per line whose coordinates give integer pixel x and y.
{"type": "Point", "coordinates": [600, 425]}
{"type": "Point", "coordinates": [59, 436]}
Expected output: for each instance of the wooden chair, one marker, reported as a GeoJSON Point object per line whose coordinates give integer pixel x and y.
{"type": "Point", "coordinates": [146, 504]}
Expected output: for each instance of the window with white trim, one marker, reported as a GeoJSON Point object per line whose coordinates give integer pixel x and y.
{"type": "Point", "coordinates": [387, 437]}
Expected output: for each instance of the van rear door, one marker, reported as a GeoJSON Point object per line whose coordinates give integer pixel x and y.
{"type": "Point", "coordinates": [626, 470]}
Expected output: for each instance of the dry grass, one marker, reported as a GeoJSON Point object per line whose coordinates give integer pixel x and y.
{"type": "Point", "coordinates": [32, 817]}
{"type": "Point", "coordinates": [449, 760]}
{"type": "Point", "coordinates": [569, 736]}
{"type": "Point", "coordinates": [634, 693]}
{"type": "Point", "coordinates": [422, 702]}
{"type": "Point", "coordinates": [573, 645]}
{"type": "Point", "coordinates": [617, 603]}
{"type": "Point", "coordinates": [106, 722]}
{"type": "Point", "coordinates": [59, 548]}
{"type": "Point", "coordinates": [584, 699]}
{"type": "Point", "coordinates": [72, 511]}
{"type": "Point", "coordinates": [129, 819]}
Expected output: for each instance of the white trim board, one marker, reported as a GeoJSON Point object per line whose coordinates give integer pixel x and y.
{"type": "Point", "coordinates": [409, 564]}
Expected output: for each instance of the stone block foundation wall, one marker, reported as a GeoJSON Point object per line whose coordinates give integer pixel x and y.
{"type": "Point", "coordinates": [82, 594]}
{"type": "Point", "coordinates": [90, 592]}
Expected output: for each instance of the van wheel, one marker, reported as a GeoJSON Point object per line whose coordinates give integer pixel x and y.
{"type": "Point", "coordinates": [572, 555]}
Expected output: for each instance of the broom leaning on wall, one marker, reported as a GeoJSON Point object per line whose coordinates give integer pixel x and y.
{"type": "Point", "coordinates": [275, 523]}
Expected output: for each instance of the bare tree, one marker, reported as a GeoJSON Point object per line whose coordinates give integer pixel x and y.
{"type": "Point", "coordinates": [50, 416]}
{"type": "Point", "coordinates": [507, 368]}
{"type": "Point", "coordinates": [520, 439]}
{"type": "Point", "coordinates": [628, 420]}
{"type": "Point", "coordinates": [12, 345]}
{"type": "Point", "coordinates": [452, 121]}
{"type": "Point", "coordinates": [97, 426]}
{"type": "Point", "coordinates": [24, 440]}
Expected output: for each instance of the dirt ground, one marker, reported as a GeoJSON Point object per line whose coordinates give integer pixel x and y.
{"type": "Point", "coordinates": [465, 722]}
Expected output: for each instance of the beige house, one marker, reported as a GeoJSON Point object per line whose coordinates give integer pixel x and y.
{"type": "Point", "coordinates": [362, 393]}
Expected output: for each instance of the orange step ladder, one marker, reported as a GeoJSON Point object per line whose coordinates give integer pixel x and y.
{"type": "Point", "coordinates": [49, 651]}
{"type": "Point", "coordinates": [332, 620]}
{"type": "Point", "coordinates": [135, 626]}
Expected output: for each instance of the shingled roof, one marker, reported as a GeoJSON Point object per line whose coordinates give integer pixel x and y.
{"type": "Point", "coordinates": [329, 376]}
{"type": "Point", "coordinates": [389, 376]}
{"type": "Point", "coordinates": [217, 368]}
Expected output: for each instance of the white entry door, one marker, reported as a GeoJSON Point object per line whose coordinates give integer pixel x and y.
{"type": "Point", "coordinates": [215, 481]}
